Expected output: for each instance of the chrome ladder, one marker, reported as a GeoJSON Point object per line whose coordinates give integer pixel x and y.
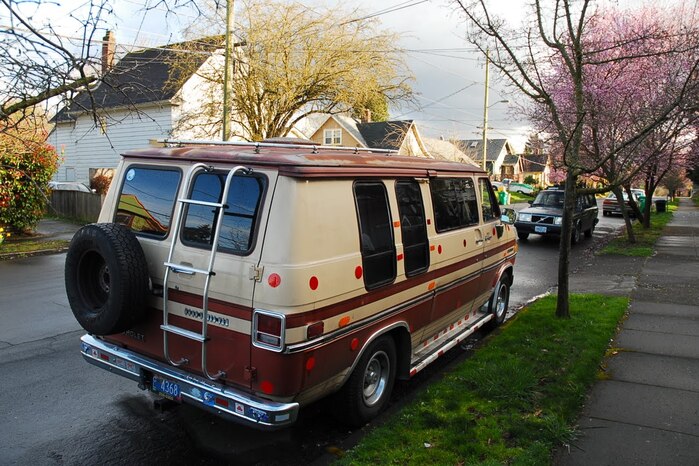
{"type": "Point", "coordinates": [208, 272]}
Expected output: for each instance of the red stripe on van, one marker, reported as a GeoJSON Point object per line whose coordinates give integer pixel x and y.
{"type": "Point", "coordinates": [215, 305]}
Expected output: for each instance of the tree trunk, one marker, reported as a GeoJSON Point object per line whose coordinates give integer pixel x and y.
{"type": "Point", "coordinates": [625, 213]}
{"type": "Point", "coordinates": [563, 301]}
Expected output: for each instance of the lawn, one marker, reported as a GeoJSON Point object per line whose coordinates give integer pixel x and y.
{"type": "Point", "coordinates": [645, 237]}
{"type": "Point", "coordinates": [12, 247]}
{"type": "Point", "coordinates": [513, 402]}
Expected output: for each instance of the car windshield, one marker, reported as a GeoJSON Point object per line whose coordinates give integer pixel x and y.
{"type": "Point", "coordinates": [549, 199]}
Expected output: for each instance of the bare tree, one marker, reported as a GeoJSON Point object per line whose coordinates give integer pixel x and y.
{"type": "Point", "coordinates": [552, 53]}
{"type": "Point", "coordinates": [293, 61]}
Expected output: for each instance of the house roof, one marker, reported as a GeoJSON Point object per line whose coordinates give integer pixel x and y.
{"type": "Point", "coordinates": [511, 159]}
{"type": "Point", "coordinates": [143, 76]}
{"type": "Point", "coordinates": [474, 148]}
{"type": "Point", "coordinates": [350, 125]}
{"type": "Point", "coordinates": [385, 134]}
{"type": "Point", "coordinates": [534, 162]}
{"type": "Point", "coordinates": [445, 150]}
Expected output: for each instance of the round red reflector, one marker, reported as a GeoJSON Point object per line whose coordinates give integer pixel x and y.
{"type": "Point", "coordinates": [267, 387]}
{"type": "Point", "coordinates": [274, 280]}
{"type": "Point", "coordinates": [313, 283]}
{"type": "Point", "coordinates": [310, 363]}
{"type": "Point", "coordinates": [354, 344]}
{"type": "Point", "coordinates": [358, 272]}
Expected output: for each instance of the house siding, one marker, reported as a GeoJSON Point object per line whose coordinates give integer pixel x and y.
{"type": "Point", "coordinates": [82, 146]}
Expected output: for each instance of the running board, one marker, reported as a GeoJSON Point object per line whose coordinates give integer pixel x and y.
{"type": "Point", "coordinates": [444, 341]}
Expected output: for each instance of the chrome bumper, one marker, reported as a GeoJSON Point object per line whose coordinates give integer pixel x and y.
{"type": "Point", "coordinates": [219, 399]}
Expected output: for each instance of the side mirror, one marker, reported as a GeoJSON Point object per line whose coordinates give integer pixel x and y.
{"type": "Point", "coordinates": [530, 202]}
{"type": "Point", "coordinates": [508, 216]}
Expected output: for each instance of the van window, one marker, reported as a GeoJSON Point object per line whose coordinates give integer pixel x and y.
{"type": "Point", "coordinates": [147, 200]}
{"type": "Point", "coordinates": [455, 204]}
{"type": "Point", "coordinates": [376, 234]}
{"type": "Point", "coordinates": [416, 248]}
{"type": "Point", "coordinates": [489, 204]}
{"type": "Point", "coordinates": [239, 216]}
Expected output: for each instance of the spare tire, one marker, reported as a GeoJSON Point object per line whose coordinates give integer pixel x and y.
{"type": "Point", "coordinates": [106, 278]}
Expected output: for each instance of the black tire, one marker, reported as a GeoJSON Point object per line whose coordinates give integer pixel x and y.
{"type": "Point", "coordinates": [589, 232]}
{"type": "Point", "coordinates": [605, 213]}
{"type": "Point", "coordinates": [106, 278]}
{"type": "Point", "coordinates": [369, 387]}
{"type": "Point", "coordinates": [575, 236]}
{"type": "Point", "coordinates": [499, 302]}
{"type": "Point", "coordinates": [522, 235]}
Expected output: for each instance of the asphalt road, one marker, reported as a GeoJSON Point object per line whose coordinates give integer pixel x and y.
{"type": "Point", "coordinates": [57, 409]}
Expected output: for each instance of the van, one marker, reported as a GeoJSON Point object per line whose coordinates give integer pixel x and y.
{"type": "Point", "coordinates": [253, 279]}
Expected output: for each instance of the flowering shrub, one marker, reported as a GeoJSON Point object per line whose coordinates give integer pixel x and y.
{"type": "Point", "coordinates": [25, 169]}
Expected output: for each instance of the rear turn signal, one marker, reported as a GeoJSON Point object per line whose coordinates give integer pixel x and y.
{"type": "Point", "coordinates": [268, 330]}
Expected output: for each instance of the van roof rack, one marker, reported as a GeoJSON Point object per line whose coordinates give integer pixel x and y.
{"type": "Point", "coordinates": [257, 145]}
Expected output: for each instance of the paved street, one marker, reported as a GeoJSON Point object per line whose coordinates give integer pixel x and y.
{"type": "Point", "coordinates": [60, 410]}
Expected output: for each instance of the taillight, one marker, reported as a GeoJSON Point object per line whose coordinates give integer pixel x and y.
{"type": "Point", "coordinates": [268, 330]}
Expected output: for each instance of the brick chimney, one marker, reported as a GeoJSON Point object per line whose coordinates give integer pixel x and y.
{"type": "Point", "coordinates": [366, 117]}
{"type": "Point", "coordinates": [108, 49]}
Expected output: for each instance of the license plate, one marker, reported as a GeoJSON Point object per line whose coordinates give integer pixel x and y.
{"type": "Point", "coordinates": [167, 388]}
{"type": "Point", "coordinates": [540, 229]}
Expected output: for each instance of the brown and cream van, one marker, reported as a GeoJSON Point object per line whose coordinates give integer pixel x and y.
{"type": "Point", "coordinates": [252, 279]}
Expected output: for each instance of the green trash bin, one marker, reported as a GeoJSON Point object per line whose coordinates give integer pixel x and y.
{"type": "Point", "coordinates": [660, 205]}
{"type": "Point", "coordinates": [503, 197]}
{"type": "Point", "coordinates": [642, 203]}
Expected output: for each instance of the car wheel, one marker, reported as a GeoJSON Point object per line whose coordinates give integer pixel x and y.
{"type": "Point", "coordinates": [589, 232]}
{"type": "Point", "coordinates": [522, 235]}
{"type": "Point", "coordinates": [575, 237]}
{"type": "Point", "coordinates": [605, 213]}
{"type": "Point", "coordinates": [369, 387]}
{"type": "Point", "coordinates": [499, 301]}
{"type": "Point", "coordinates": [106, 277]}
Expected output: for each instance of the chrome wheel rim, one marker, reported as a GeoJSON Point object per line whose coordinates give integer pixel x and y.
{"type": "Point", "coordinates": [376, 378]}
{"type": "Point", "coordinates": [501, 301]}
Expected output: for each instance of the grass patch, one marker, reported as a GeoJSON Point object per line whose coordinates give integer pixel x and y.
{"type": "Point", "coordinates": [13, 247]}
{"type": "Point", "coordinates": [645, 237]}
{"type": "Point", "coordinates": [517, 197]}
{"type": "Point", "coordinates": [513, 402]}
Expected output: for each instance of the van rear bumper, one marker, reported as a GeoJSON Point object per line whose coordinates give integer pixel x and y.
{"type": "Point", "coordinates": [222, 400]}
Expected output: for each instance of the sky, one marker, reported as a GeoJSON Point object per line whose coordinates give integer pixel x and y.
{"type": "Point", "coordinates": [449, 73]}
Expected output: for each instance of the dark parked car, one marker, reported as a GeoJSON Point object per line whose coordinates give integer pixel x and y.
{"type": "Point", "coordinates": [545, 215]}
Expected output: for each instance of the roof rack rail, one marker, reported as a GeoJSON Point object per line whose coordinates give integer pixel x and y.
{"type": "Point", "coordinates": [257, 145]}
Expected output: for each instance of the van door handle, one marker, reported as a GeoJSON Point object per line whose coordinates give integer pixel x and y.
{"type": "Point", "coordinates": [479, 241]}
{"type": "Point", "coordinates": [488, 238]}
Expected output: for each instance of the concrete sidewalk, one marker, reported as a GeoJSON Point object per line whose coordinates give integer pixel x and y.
{"type": "Point", "coordinates": [647, 411]}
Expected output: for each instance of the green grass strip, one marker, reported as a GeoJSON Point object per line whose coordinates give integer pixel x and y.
{"type": "Point", "coordinates": [514, 401]}
{"type": "Point", "coordinates": [645, 237]}
{"type": "Point", "coordinates": [30, 246]}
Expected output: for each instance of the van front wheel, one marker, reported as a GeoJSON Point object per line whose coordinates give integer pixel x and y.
{"type": "Point", "coordinates": [499, 301]}
{"type": "Point", "coordinates": [369, 387]}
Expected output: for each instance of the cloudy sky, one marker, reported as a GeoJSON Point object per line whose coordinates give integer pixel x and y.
{"type": "Point", "coordinates": [449, 72]}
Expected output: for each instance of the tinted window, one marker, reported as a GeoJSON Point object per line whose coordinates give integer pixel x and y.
{"type": "Point", "coordinates": [376, 231]}
{"type": "Point", "coordinates": [455, 203]}
{"type": "Point", "coordinates": [489, 204]}
{"type": "Point", "coordinates": [147, 200]}
{"type": "Point", "coordinates": [239, 216]}
{"type": "Point", "coordinates": [416, 248]}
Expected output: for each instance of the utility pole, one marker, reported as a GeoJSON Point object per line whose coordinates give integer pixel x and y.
{"type": "Point", "coordinates": [485, 108]}
{"type": "Point", "coordinates": [228, 70]}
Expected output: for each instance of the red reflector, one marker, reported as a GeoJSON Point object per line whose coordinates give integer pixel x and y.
{"type": "Point", "coordinates": [274, 280]}
{"type": "Point", "coordinates": [358, 272]}
{"type": "Point", "coordinates": [399, 257]}
{"type": "Point", "coordinates": [313, 283]}
{"type": "Point", "coordinates": [439, 249]}
{"type": "Point", "coordinates": [104, 357]}
{"type": "Point", "coordinates": [315, 330]}
{"type": "Point", "coordinates": [354, 344]}
{"type": "Point", "coordinates": [222, 402]}
{"type": "Point", "coordinates": [310, 364]}
{"type": "Point", "coordinates": [267, 387]}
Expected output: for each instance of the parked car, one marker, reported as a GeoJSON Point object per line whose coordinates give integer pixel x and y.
{"type": "Point", "coordinates": [545, 215]}
{"type": "Point", "coordinates": [69, 186]}
{"type": "Point", "coordinates": [521, 188]}
{"type": "Point", "coordinates": [336, 270]}
{"type": "Point", "coordinates": [610, 205]}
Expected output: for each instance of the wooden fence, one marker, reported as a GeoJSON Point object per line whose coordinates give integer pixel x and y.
{"type": "Point", "coordinates": [76, 205]}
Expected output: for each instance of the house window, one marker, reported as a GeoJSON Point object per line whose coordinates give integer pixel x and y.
{"type": "Point", "coordinates": [332, 137]}
{"type": "Point", "coordinates": [376, 234]}
{"type": "Point", "coordinates": [454, 202]}
{"type": "Point", "coordinates": [416, 247]}
{"type": "Point", "coordinates": [147, 200]}
{"type": "Point", "coordinates": [240, 216]}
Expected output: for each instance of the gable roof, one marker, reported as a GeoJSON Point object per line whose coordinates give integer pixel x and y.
{"type": "Point", "coordinates": [349, 124]}
{"type": "Point", "coordinates": [445, 150]}
{"type": "Point", "coordinates": [143, 76]}
{"type": "Point", "coordinates": [474, 148]}
{"type": "Point", "coordinates": [534, 162]}
{"type": "Point", "coordinates": [385, 134]}
{"type": "Point", "coordinates": [511, 159]}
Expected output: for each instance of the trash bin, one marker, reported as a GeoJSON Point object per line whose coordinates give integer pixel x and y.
{"type": "Point", "coordinates": [503, 197]}
{"type": "Point", "coordinates": [660, 205]}
{"type": "Point", "coordinates": [642, 203]}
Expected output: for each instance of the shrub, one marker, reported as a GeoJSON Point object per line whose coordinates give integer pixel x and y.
{"type": "Point", "coordinates": [26, 167]}
{"type": "Point", "coordinates": [530, 179]}
{"type": "Point", "coordinates": [100, 184]}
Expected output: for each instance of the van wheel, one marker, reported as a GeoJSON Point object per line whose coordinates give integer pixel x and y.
{"type": "Point", "coordinates": [369, 387]}
{"type": "Point", "coordinates": [106, 278]}
{"type": "Point", "coordinates": [499, 301]}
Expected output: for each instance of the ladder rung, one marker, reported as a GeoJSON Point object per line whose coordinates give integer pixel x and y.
{"type": "Point", "coordinates": [218, 205]}
{"type": "Point", "coordinates": [183, 333]}
{"type": "Point", "coordinates": [179, 268]}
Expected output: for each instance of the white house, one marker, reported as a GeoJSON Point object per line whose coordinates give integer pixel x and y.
{"type": "Point", "coordinates": [137, 101]}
